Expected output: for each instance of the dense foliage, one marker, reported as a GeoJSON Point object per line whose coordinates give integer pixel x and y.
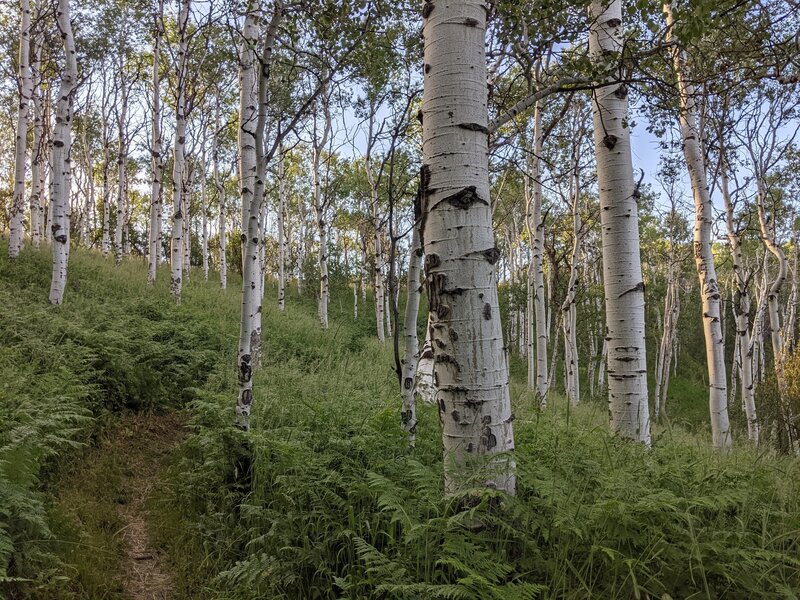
{"type": "Point", "coordinates": [324, 500]}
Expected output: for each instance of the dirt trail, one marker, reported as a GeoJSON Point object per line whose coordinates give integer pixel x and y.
{"type": "Point", "coordinates": [147, 441]}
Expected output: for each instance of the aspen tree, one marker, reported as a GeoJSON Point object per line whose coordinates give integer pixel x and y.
{"type": "Point", "coordinates": [179, 157]}
{"type": "Point", "coordinates": [537, 333]}
{"type": "Point", "coordinates": [60, 176]}
{"type": "Point", "coordinates": [106, 107]}
{"type": "Point", "coordinates": [204, 202]}
{"type": "Point", "coordinates": [622, 272]}
{"type": "Point", "coordinates": [569, 319]}
{"type": "Point", "coordinates": [469, 359]}
{"type": "Point", "coordinates": [16, 224]}
{"type": "Point", "coordinates": [38, 151]}
{"type": "Point", "coordinates": [411, 358]}
{"type": "Point", "coordinates": [377, 224]}
{"type": "Point", "coordinates": [320, 206]}
{"type": "Point", "coordinates": [251, 124]}
{"type": "Point", "coordinates": [220, 188]}
{"type": "Point", "coordinates": [156, 157]}
{"type": "Point", "coordinates": [120, 233]}
{"type": "Point", "coordinates": [704, 259]}
{"type": "Point", "coordinates": [283, 241]}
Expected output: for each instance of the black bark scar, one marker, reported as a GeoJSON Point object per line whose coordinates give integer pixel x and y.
{"type": "Point", "coordinates": [465, 198]}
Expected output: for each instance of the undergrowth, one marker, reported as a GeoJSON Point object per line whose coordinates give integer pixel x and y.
{"type": "Point", "coordinates": [324, 500]}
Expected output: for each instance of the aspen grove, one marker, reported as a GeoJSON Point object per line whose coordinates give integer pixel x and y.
{"type": "Point", "coordinates": [388, 299]}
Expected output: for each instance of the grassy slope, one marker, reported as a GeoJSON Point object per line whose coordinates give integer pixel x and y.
{"type": "Point", "coordinates": [324, 500]}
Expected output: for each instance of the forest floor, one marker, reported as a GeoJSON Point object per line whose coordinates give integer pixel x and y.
{"type": "Point", "coordinates": [122, 475]}
{"type": "Point", "coordinates": [126, 468]}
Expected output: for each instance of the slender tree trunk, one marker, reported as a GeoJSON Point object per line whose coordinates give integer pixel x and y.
{"type": "Point", "coordinates": [120, 233]}
{"type": "Point", "coordinates": [377, 229]}
{"type": "Point", "coordinates": [220, 188]}
{"type": "Point", "coordinates": [569, 307]}
{"type": "Point", "coordinates": [186, 204]}
{"type": "Point", "coordinates": [105, 245]}
{"type": "Point", "coordinates": [157, 164]}
{"type": "Point", "coordinates": [622, 273]}
{"type": "Point", "coordinates": [204, 207]}
{"type": "Point", "coordinates": [704, 259]}
{"type": "Point", "coordinates": [89, 200]}
{"type": "Point", "coordinates": [411, 357]}
{"type": "Point", "coordinates": [282, 239]}
{"type": "Point", "coordinates": [773, 295]}
{"type": "Point", "coordinates": [363, 267]}
{"type": "Point", "coordinates": [252, 117]}
{"type": "Point", "coordinates": [16, 224]}
{"type": "Point", "coordinates": [38, 154]}
{"type": "Point", "coordinates": [320, 204]}
{"type": "Point", "coordinates": [62, 143]}
{"type": "Point", "coordinates": [537, 312]}
{"type": "Point", "coordinates": [176, 250]}
{"type": "Point", "coordinates": [741, 308]}
{"type": "Point", "coordinates": [469, 361]}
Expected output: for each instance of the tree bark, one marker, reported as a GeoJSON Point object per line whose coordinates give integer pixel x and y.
{"type": "Point", "coordinates": [251, 129]}
{"type": "Point", "coordinates": [177, 249]}
{"type": "Point", "coordinates": [537, 333]}
{"type": "Point", "coordinates": [411, 357]}
{"type": "Point", "coordinates": [282, 238]}
{"type": "Point", "coordinates": [569, 319]}
{"type": "Point", "coordinates": [320, 205]}
{"type": "Point", "coordinates": [704, 258]}
{"type": "Point", "coordinates": [62, 142]}
{"type": "Point", "coordinates": [157, 164]}
{"type": "Point", "coordinates": [220, 188]}
{"type": "Point", "coordinates": [120, 233]}
{"type": "Point", "coordinates": [204, 206]}
{"type": "Point", "coordinates": [25, 83]}
{"type": "Point", "coordinates": [38, 156]}
{"type": "Point", "coordinates": [741, 309]}
{"type": "Point", "coordinates": [622, 272]}
{"type": "Point", "coordinates": [469, 359]}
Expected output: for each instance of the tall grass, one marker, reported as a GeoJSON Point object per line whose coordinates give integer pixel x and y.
{"type": "Point", "coordinates": [323, 499]}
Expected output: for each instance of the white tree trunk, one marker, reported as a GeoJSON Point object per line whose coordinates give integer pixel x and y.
{"type": "Point", "coordinates": [704, 258]}
{"type": "Point", "coordinates": [282, 238]}
{"type": "Point", "coordinates": [537, 333]}
{"type": "Point", "coordinates": [120, 233]}
{"type": "Point", "coordinates": [773, 295]}
{"type": "Point", "coordinates": [62, 142]}
{"type": "Point", "coordinates": [425, 388]}
{"type": "Point", "coordinates": [223, 226]}
{"type": "Point", "coordinates": [411, 358]}
{"type": "Point", "coordinates": [105, 245]}
{"type": "Point", "coordinates": [569, 318]}
{"type": "Point", "coordinates": [251, 128]}
{"type": "Point", "coordinates": [469, 360]}
{"type": "Point", "coordinates": [248, 117]}
{"type": "Point", "coordinates": [16, 224]}
{"type": "Point", "coordinates": [204, 206]}
{"type": "Point", "coordinates": [741, 308]}
{"type": "Point", "coordinates": [188, 189]}
{"type": "Point", "coordinates": [177, 249]}
{"type": "Point", "coordinates": [320, 205]}
{"type": "Point", "coordinates": [622, 271]}
{"type": "Point", "coordinates": [157, 164]}
{"type": "Point", "coordinates": [38, 157]}
{"type": "Point", "coordinates": [377, 229]}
